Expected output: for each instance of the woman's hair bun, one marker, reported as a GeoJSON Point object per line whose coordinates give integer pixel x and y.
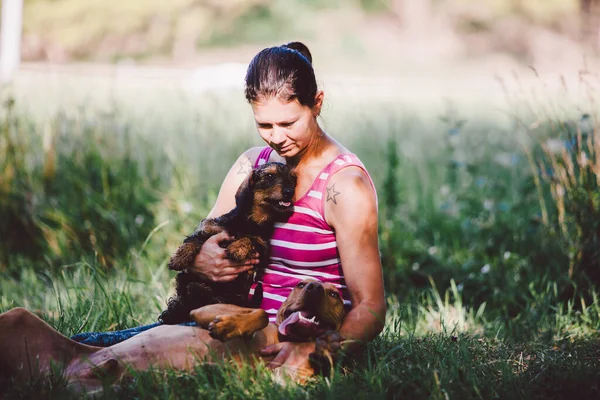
{"type": "Point", "coordinates": [301, 48]}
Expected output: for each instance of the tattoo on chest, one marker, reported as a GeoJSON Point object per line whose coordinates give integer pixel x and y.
{"type": "Point", "coordinates": [245, 167]}
{"type": "Point", "coordinates": [332, 194]}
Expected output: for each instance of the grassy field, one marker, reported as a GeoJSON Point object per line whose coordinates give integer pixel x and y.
{"type": "Point", "coordinates": [489, 262]}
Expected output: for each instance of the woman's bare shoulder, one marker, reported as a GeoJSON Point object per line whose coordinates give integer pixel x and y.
{"type": "Point", "coordinates": [252, 155]}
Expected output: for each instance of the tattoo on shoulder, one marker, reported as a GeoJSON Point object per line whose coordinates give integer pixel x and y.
{"type": "Point", "coordinates": [245, 167]}
{"type": "Point", "coordinates": [332, 194]}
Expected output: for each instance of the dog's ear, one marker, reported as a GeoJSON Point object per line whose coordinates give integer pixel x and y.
{"type": "Point", "coordinates": [244, 194]}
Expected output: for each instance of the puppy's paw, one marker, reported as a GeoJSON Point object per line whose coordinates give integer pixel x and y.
{"type": "Point", "coordinates": [327, 348]}
{"type": "Point", "coordinates": [224, 328]}
{"type": "Point", "coordinates": [240, 250]}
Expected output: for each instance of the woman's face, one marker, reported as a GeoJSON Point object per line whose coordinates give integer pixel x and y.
{"type": "Point", "coordinates": [288, 127]}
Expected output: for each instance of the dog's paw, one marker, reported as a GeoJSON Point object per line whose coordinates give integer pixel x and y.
{"type": "Point", "coordinates": [224, 328]}
{"type": "Point", "coordinates": [240, 250]}
{"type": "Point", "coordinates": [327, 348]}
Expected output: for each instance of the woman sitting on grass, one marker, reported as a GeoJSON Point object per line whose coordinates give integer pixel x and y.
{"type": "Point", "coordinates": [332, 235]}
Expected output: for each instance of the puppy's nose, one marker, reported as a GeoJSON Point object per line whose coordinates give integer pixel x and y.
{"type": "Point", "coordinates": [288, 192]}
{"type": "Point", "coordinates": [314, 287]}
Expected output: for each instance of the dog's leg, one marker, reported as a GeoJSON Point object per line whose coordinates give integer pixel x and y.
{"type": "Point", "coordinates": [225, 321]}
{"type": "Point", "coordinates": [185, 254]}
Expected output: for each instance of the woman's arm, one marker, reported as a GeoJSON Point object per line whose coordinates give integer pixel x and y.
{"type": "Point", "coordinates": [234, 178]}
{"type": "Point", "coordinates": [211, 261]}
{"type": "Point", "coordinates": [351, 209]}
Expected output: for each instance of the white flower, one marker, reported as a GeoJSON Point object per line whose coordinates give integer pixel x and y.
{"type": "Point", "coordinates": [416, 266]}
{"type": "Point", "coordinates": [445, 190]}
{"type": "Point", "coordinates": [186, 207]}
{"type": "Point", "coordinates": [432, 250]}
{"type": "Point", "coordinates": [506, 255]}
{"type": "Point", "coordinates": [139, 220]}
{"type": "Point", "coordinates": [488, 204]}
{"type": "Point", "coordinates": [504, 159]}
{"type": "Point", "coordinates": [555, 145]}
{"type": "Point", "coordinates": [583, 159]}
{"type": "Point", "coordinates": [485, 269]}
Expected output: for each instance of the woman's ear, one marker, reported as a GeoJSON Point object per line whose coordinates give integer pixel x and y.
{"type": "Point", "coordinates": [318, 103]}
{"type": "Point", "coordinates": [243, 196]}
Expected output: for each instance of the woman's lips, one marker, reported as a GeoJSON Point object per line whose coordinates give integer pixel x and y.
{"type": "Point", "coordinates": [284, 149]}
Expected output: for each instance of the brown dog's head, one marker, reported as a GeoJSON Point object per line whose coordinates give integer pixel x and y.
{"type": "Point", "coordinates": [267, 193]}
{"type": "Point", "coordinates": [310, 310]}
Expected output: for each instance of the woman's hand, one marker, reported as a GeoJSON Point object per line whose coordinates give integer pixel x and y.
{"type": "Point", "coordinates": [291, 358]}
{"type": "Point", "coordinates": [212, 263]}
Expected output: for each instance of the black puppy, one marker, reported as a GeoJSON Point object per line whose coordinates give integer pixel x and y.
{"type": "Point", "coordinates": [265, 197]}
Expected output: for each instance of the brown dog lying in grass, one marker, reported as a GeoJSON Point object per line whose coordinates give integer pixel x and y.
{"type": "Point", "coordinates": [263, 198]}
{"type": "Point", "coordinates": [313, 311]}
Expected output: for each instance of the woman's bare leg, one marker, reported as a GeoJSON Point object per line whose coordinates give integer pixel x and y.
{"type": "Point", "coordinates": [28, 345]}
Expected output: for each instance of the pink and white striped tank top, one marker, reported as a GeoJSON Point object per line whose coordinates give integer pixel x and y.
{"type": "Point", "coordinates": [305, 246]}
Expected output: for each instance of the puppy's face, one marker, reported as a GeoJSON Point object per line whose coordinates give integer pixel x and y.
{"type": "Point", "coordinates": [270, 188]}
{"type": "Point", "coordinates": [310, 310]}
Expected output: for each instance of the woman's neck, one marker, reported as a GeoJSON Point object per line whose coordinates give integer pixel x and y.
{"type": "Point", "coordinates": [315, 148]}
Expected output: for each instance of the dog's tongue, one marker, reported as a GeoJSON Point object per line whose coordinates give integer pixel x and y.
{"type": "Point", "coordinates": [285, 326]}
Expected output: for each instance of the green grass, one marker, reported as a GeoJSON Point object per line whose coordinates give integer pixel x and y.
{"type": "Point", "coordinates": [95, 195]}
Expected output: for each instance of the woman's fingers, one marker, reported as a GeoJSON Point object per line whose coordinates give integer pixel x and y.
{"type": "Point", "coordinates": [271, 349]}
{"type": "Point", "coordinates": [279, 351]}
{"type": "Point", "coordinates": [212, 262]}
{"type": "Point", "coordinates": [228, 274]}
{"type": "Point", "coordinates": [220, 237]}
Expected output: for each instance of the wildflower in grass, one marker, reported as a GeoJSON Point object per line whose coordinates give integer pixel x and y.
{"type": "Point", "coordinates": [486, 269]}
{"type": "Point", "coordinates": [186, 207]}
{"type": "Point", "coordinates": [488, 204]}
{"type": "Point", "coordinates": [480, 181]}
{"type": "Point", "coordinates": [504, 159]}
{"type": "Point", "coordinates": [555, 146]}
{"type": "Point", "coordinates": [445, 190]}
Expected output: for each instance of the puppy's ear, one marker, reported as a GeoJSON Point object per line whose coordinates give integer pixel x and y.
{"type": "Point", "coordinates": [244, 194]}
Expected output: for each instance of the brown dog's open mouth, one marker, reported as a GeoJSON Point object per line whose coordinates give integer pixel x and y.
{"type": "Point", "coordinates": [302, 324]}
{"type": "Point", "coordinates": [282, 205]}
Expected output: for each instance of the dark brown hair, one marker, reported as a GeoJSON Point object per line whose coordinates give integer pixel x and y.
{"type": "Point", "coordinates": [284, 71]}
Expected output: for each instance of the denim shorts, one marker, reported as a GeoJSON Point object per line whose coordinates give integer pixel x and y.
{"type": "Point", "coordinates": [105, 339]}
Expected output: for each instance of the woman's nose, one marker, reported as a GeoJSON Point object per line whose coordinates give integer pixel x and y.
{"type": "Point", "coordinates": [277, 135]}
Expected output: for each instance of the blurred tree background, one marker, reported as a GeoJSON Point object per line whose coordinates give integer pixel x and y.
{"type": "Point", "coordinates": [183, 31]}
